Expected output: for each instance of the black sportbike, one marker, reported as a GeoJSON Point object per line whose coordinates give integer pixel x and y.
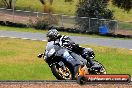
{"type": "Point", "coordinates": [65, 64]}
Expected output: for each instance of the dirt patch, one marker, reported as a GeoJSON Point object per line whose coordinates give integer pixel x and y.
{"type": "Point", "coordinates": [124, 32]}
{"type": "Point", "coordinates": [62, 85]}
{"type": "Point", "coordinates": [17, 18]}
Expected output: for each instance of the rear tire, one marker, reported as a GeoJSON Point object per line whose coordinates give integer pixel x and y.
{"type": "Point", "coordinates": [102, 70]}
{"type": "Point", "coordinates": [81, 80]}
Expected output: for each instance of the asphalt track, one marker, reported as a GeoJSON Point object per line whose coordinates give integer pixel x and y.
{"type": "Point", "coordinates": [110, 42]}
{"type": "Point", "coordinates": [58, 81]}
{"type": "Point", "coordinates": [61, 82]}
{"type": "Point", "coordinates": [62, 85]}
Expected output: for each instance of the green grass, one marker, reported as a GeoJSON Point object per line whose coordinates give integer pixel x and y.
{"type": "Point", "coordinates": [18, 60]}
{"type": "Point", "coordinates": [25, 72]}
{"type": "Point", "coordinates": [124, 26]}
{"type": "Point", "coordinates": [120, 14]}
{"type": "Point", "coordinates": [59, 7]}
{"type": "Point", "coordinates": [6, 28]}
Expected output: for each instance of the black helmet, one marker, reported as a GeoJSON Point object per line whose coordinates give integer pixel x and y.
{"type": "Point", "coordinates": [52, 34]}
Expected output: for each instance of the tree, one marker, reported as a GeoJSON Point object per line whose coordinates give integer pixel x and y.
{"type": "Point", "coordinates": [42, 1]}
{"type": "Point", "coordinates": [92, 9]}
{"type": "Point", "coordinates": [51, 2]}
{"type": "Point", "coordinates": [47, 8]}
{"type": "Point", "coordinates": [8, 3]}
{"type": "Point", "coordinates": [123, 4]}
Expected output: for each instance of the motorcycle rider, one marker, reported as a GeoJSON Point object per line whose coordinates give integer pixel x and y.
{"type": "Point", "coordinates": [54, 37]}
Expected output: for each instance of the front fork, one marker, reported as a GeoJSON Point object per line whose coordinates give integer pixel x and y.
{"type": "Point", "coordinates": [62, 65]}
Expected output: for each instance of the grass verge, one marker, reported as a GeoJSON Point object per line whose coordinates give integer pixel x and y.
{"type": "Point", "coordinates": [125, 26]}
{"type": "Point", "coordinates": [18, 60]}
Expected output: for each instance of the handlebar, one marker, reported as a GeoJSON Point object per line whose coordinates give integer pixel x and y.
{"type": "Point", "coordinates": [40, 55]}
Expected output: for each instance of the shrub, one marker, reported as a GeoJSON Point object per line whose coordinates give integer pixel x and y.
{"type": "Point", "coordinates": [11, 24]}
{"type": "Point", "coordinates": [39, 23]}
{"type": "Point", "coordinates": [43, 22]}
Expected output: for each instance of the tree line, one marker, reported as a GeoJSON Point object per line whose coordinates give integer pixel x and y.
{"type": "Point", "coordinates": [124, 4]}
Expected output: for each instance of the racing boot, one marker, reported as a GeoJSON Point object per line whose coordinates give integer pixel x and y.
{"type": "Point", "coordinates": [93, 65]}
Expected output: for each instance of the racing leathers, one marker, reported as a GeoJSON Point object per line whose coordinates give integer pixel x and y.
{"type": "Point", "coordinates": [65, 41]}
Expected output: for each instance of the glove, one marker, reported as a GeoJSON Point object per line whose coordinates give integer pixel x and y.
{"type": "Point", "coordinates": [40, 55]}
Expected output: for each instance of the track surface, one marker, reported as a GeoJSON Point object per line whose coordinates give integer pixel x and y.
{"type": "Point", "coordinates": [60, 84]}
{"type": "Point", "coordinates": [115, 43]}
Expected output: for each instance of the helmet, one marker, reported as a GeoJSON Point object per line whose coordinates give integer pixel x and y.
{"type": "Point", "coordinates": [52, 34]}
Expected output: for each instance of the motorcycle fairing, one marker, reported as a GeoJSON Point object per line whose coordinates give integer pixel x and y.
{"type": "Point", "coordinates": [68, 57]}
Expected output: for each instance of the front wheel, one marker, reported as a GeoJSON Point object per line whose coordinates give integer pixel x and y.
{"type": "Point", "coordinates": [61, 73]}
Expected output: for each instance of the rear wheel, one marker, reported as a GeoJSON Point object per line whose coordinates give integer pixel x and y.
{"type": "Point", "coordinates": [81, 80]}
{"type": "Point", "coordinates": [61, 73]}
{"type": "Point", "coordinates": [102, 70]}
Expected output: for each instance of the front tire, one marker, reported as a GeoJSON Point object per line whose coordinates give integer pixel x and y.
{"type": "Point", "coordinates": [60, 73]}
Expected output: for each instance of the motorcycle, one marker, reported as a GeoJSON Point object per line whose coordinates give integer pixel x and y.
{"type": "Point", "coordinates": [67, 65]}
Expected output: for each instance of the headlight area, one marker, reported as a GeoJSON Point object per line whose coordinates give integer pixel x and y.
{"type": "Point", "coordinates": [51, 52]}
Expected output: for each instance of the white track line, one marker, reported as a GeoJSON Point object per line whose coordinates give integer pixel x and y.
{"type": "Point", "coordinates": [44, 40]}
{"type": "Point", "coordinates": [2, 36]}
{"type": "Point", "coordinates": [30, 39]}
{"type": "Point", "coordinates": [23, 38]}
